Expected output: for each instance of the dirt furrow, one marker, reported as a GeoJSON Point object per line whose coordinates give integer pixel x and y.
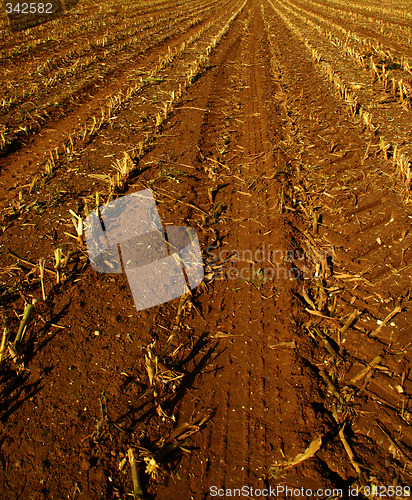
{"type": "Point", "coordinates": [254, 384]}
{"type": "Point", "coordinates": [337, 176]}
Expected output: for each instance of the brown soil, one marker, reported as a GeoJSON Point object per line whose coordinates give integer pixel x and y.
{"type": "Point", "coordinates": [297, 340]}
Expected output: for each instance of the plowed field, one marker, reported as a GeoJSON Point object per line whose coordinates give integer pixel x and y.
{"type": "Point", "coordinates": [280, 131]}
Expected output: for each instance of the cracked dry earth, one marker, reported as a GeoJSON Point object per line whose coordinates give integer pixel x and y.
{"type": "Point", "coordinates": [288, 367]}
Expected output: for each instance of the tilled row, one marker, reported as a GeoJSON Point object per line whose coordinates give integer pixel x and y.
{"type": "Point", "coordinates": [352, 227]}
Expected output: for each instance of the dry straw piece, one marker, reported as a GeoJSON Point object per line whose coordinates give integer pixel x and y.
{"type": "Point", "coordinates": [3, 345]}
{"type": "Point", "coordinates": [41, 268]}
{"type": "Point", "coordinates": [125, 167]}
{"type": "Point", "coordinates": [310, 452]}
{"type": "Point", "coordinates": [28, 309]}
{"type": "Point", "coordinates": [58, 255]}
{"type": "Point", "coordinates": [137, 485]}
